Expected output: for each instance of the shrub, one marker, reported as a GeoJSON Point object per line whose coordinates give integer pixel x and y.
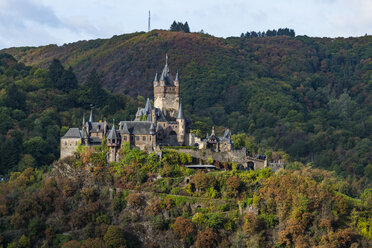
{"type": "Point", "coordinates": [207, 239]}
{"type": "Point", "coordinates": [93, 243]}
{"type": "Point", "coordinates": [114, 237]}
{"type": "Point", "coordinates": [233, 185]}
{"type": "Point", "coordinates": [134, 199]}
{"type": "Point", "coordinates": [154, 207]}
{"type": "Point", "coordinates": [250, 223]}
{"type": "Point", "coordinates": [71, 244]}
{"type": "Point", "coordinates": [183, 227]}
{"type": "Point", "coordinates": [215, 220]}
{"type": "Point", "coordinates": [158, 222]}
{"type": "Point", "coordinates": [199, 219]}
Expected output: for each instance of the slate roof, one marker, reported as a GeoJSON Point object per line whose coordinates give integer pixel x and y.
{"type": "Point", "coordinates": [112, 134]}
{"type": "Point", "coordinates": [166, 76]}
{"type": "Point", "coordinates": [97, 127]}
{"type": "Point", "coordinates": [148, 106]}
{"type": "Point", "coordinates": [152, 128]}
{"type": "Point", "coordinates": [72, 133]}
{"type": "Point", "coordinates": [180, 113]}
{"type": "Point", "coordinates": [124, 129]}
{"type": "Point", "coordinates": [137, 127]}
{"type": "Point", "coordinates": [95, 140]}
{"type": "Point", "coordinates": [84, 134]}
{"type": "Point", "coordinates": [91, 116]}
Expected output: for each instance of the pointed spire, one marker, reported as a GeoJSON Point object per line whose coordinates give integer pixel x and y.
{"type": "Point", "coordinates": [176, 77]}
{"type": "Point", "coordinates": [84, 134]}
{"type": "Point", "coordinates": [180, 113]}
{"type": "Point", "coordinates": [91, 116]}
{"type": "Point", "coordinates": [148, 106]}
{"type": "Point", "coordinates": [125, 129]}
{"type": "Point", "coordinates": [156, 77]}
{"type": "Point", "coordinates": [112, 134]}
{"type": "Point", "coordinates": [159, 128]}
{"type": "Point", "coordinates": [213, 132]}
{"type": "Point", "coordinates": [83, 120]}
{"type": "Point", "coordinates": [152, 128]}
{"type": "Point", "coordinates": [166, 59]}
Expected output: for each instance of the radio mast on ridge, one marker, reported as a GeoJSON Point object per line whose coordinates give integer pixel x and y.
{"type": "Point", "coordinates": [149, 25]}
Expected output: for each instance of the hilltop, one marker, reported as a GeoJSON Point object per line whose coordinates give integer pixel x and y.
{"type": "Point", "coordinates": [310, 97]}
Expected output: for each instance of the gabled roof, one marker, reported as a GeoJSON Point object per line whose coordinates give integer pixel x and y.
{"type": "Point", "coordinates": [137, 127]}
{"type": "Point", "coordinates": [72, 133]}
{"type": "Point", "coordinates": [124, 129]}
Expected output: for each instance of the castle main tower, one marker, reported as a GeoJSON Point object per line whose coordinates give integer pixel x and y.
{"type": "Point", "coordinates": [166, 92]}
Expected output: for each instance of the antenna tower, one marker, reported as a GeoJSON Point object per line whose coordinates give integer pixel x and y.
{"type": "Point", "coordinates": [149, 25]}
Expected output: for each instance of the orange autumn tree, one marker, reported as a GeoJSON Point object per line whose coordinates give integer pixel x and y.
{"type": "Point", "coordinates": [302, 206]}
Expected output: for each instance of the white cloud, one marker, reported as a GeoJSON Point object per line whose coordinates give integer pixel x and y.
{"type": "Point", "coordinates": [39, 22]}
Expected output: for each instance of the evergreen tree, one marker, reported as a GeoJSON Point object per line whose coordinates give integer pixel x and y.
{"type": "Point", "coordinates": [174, 26]}
{"type": "Point", "coordinates": [186, 28]}
{"type": "Point", "coordinates": [68, 80]}
{"type": "Point", "coordinates": [56, 71]}
{"type": "Point", "coordinates": [15, 99]}
{"type": "Point", "coordinates": [96, 95]}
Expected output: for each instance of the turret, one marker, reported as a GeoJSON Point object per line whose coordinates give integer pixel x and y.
{"type": "Point", "coordinates": [112, 137]}
{"type": "Point", "coordinates": [181, 126]}
{"type": "Point", "coordinates": [153, 133]}
{"type": "Point", "coordinates": [176, 83]}
{"type": "Point", "coordinates": [84, 136]}
{"type": "Point", "coordinates": [125, 135]}
{"type": "Point", "coordinates": [156, 81]}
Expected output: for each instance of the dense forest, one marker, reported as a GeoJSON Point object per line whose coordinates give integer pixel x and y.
{"type": "Point", "coordinates": [310, 97]}
{"type": "Point", "coordinates": [144, 202]}
{"type": "Point", "coordinates": [37, 107]}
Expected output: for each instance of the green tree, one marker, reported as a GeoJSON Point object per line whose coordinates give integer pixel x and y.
{"type": "Point", "coordinates": [114, 238]}
{"type": "Point", "coordinates": [96, 95]}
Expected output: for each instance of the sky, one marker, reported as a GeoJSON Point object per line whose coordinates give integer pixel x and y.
{"type": "Point", "coordinates": [42, 22]}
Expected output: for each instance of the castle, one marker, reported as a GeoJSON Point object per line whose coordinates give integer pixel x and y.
{"type": "Point", "coordinates": [153, 127]}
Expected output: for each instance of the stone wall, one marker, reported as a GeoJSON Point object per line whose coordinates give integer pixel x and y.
{"type": "Point", "coordinates": [235, 156]}
{"type": "Point", "coordinates": [143, 142]}
{"type": "Point", "coordinates": [166, 97]}
{"type": "Point", "coordinates": [68, 146]}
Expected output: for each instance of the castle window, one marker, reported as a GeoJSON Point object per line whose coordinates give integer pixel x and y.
{"type": "Point", "coordinates": [144, 138]}
{"type": "Point", "coordinates": [137, 138]}
{"type": "Point", "coordinates": [65, 143]}
{"type": "Point", "coordinates": [75, 143]}
{"type": "Point", "coordinates": [150, 138]}
{"type": "Point", "coordinates": [125, 138]}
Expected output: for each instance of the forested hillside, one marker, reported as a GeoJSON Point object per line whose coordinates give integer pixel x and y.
{"type": "Point", "coordinates": [310, 97]}
{"type": "Point", "coordinates": [37, 106]}
{"type": "Point", "coordinates": [85, 202]}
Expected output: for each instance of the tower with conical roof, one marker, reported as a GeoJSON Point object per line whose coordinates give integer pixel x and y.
{"type": "Point", "coordinates": [181, 126]}
{"type": "Point", "coordinates": [113, 142]}
{"type": "Point", "coordinates": [166, 92]}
